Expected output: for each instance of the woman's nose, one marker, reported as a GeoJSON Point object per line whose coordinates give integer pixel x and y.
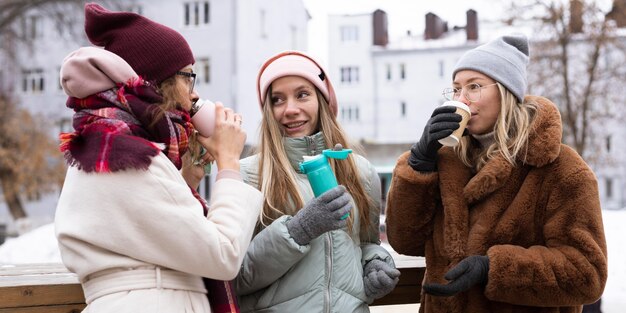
{"type": "Point", "coordinates": [292, 107]}
{"type": "Point", "coordinates": [194, 96]}
{"type": "Point", "coordinates": [463, 98]}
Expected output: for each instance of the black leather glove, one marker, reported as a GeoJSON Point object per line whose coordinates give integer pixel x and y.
{"type": "Point", "coordinates": [441, 124]}
{"type": "Point", "coordinates": [321, 214]}
{"type": "Point", "coordinates": [469, 272]}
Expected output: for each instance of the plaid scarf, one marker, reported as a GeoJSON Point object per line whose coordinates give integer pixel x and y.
{"type": "Point", "coordinates": [115, 129]}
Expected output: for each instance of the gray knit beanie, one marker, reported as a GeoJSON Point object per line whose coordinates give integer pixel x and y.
{"type": "Point", "coordinates": [503, 59]}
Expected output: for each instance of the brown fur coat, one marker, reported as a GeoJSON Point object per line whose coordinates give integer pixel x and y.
{"type": "Point", "coordinates": [539, 222]}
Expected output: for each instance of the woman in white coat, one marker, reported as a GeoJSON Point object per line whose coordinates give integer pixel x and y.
{"type": "Point", "coordinates": [129, 221]}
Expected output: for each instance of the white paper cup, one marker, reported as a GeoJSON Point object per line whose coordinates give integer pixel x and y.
{"type": "Point", "coordinates": [203, 119]}
{"type": "Point", "coordinates": [464, 111]}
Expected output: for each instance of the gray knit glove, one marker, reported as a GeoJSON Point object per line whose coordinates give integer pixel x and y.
{"type": "Point", "coordinates": [320, 215]}
{"type": "Point", "coordinates": [379, 279]}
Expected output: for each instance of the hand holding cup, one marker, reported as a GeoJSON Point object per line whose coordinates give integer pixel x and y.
{"type": "Point", "coordinates": [227, 140]}
{"type": "Point", "coordinates": [464, 111]}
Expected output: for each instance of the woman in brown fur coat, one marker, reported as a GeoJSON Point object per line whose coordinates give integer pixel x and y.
{"type": "Point", "coordinates": [509, 220]}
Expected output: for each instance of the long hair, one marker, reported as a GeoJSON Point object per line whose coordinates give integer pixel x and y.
{"type": "Point", "coordinates": [174, 95]}
{"type": "Point", "coordinates": [277, 178]}
{"type": "Point", "coordinates": [511, 133]}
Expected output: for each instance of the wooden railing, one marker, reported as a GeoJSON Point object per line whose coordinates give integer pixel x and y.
{"type": "Point", "coordinates": [39, 288]}
{"type": "Point", "coordinates": [50, 288]}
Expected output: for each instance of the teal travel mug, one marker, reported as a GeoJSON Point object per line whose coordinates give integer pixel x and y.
{"type": "Point", "coordinates": [320, 174]}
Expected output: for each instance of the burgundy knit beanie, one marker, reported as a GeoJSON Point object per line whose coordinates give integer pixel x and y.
{"type": "Point", "coordinates": [153, 50]}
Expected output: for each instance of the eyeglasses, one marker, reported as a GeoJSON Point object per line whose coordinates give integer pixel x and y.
{"type": "Point", "coordinates": [191, 76]}
{"type": "Point", "coordinates": [470, 91]}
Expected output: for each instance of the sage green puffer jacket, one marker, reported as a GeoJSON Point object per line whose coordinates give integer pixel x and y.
{"type": "Point", "coordinates": [279, 275]}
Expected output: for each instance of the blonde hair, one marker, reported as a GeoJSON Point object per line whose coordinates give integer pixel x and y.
{"type": "Point", "coordinates": [174, 95]}
{"type": "Point", "coordinates": [277, 178]}
{"type": "Point", "coordinates": [511, 132]}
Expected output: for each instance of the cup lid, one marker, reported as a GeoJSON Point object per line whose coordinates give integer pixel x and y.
{"type": "Point", "coordinates": [457, 104]}
{"type": "Point", "coordinates": [337, 154]}
{"type": "Point", "coordinates": [449, 141]}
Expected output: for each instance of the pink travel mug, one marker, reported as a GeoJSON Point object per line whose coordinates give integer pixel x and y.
{"type": "Point", "coordinates": [203, 117]}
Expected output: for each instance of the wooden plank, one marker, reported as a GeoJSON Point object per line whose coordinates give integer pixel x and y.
{"type": "Point", "coordinates": [51, 288]}
{"type": "Point", "coordinates": [35, 274]}
{"type": "Point", "coordinates": [408, 289]}
{"type": "Point", "coordinates": [40, 295]}
{"type": "Point", "coordinates": [71, 308]}
{"type": "Point", "coordinates": [32, 285]}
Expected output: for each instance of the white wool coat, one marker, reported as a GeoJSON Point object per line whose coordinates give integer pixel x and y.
{"type": "Point", "coordinates": [123, 233]}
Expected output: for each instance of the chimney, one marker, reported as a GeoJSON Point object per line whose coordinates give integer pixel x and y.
{"type": "Point", "coordinates": [435, 26]}
{"type": "Point", "coordinates": [576, 16]}
{"type": "Point", "coordinates": [618, 13]}
{"type": "Point", "coordinates": [471, 29]}
{"type": "Point", "coordinates": [379, 20]}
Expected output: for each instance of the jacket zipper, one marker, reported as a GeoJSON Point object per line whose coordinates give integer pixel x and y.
{"type": "Point", "coordinates": [329, 264]}
{"type": "Point", "coordinates": [310, 145]}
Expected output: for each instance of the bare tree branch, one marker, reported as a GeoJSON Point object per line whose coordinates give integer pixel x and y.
{"type": "Point", "coordinates": [570, 65]}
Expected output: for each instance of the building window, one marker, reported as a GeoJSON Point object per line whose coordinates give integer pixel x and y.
{"type": "Point", "coordinates": [608, 143]}
{"type": "Point", "coordinates": [59, 87]}
{"type": "Point", "coordinates": [206, 181]}
{"type": "Point", "coordinates": [349, 33]}
{"type": "Point", "coordinates": [403, 109]}
{"type": "Point", "coordinates": [65, 26]}
{"type": "Point", "coordinates": [350, 113]}
{"type": "Point", "coordinates": [203, 69]}
{"type": "Point", "coordinates": [33, 80]}
{"type": "Point", "coordinates": [207, 13]}
{"type": "Point", "coordinates": [402, 71]}
{"type": "Point", "coordinates": [187, 14]}
{"type": "Point", "coordinates": [349, 74]}
{"type": "Point", "coordinates": [263, 22]}
{"type": "Point", "coordinates": [32, 27]}
{"type": "Point", "coordinates": [65, 125]}
{"type": "Point", "coordinates": [294, 37]}
{"type": "Point", "coordinates": [197, 12]}
{"type": "Point", "coordinates": [609, 188]}
{"type": "Point", "coordinates": [442, 68]}
{"type": "Point", "coordinates": [388, 71]}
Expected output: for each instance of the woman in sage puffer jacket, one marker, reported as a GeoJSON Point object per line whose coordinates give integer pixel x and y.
{"type": "Point", "coordinates": [305, 256]}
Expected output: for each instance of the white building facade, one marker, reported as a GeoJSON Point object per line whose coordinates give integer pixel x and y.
{"type": "Point", "coordinates": [230, 40]}
{"type": "Point", "coordinates": [398, 84]}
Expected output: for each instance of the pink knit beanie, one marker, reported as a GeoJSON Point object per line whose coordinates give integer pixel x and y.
{"type": "Point", "coordinates": [295, 63]}
{"type": "Point", "coordinates": [90, 70]}
{"type": "Point", "coordinates": [154, 51]}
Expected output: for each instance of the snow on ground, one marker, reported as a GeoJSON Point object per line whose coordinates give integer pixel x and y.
{"type": "Point", "coordinates": [36, 246]}
{"type": "Point", "coordinates": [614, 297]}
{"type": "Point", "coordinates": [40, 246]}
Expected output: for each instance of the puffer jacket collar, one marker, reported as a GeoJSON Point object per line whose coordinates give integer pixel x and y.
{"type": "Point", "coordinates": [296, 148]}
